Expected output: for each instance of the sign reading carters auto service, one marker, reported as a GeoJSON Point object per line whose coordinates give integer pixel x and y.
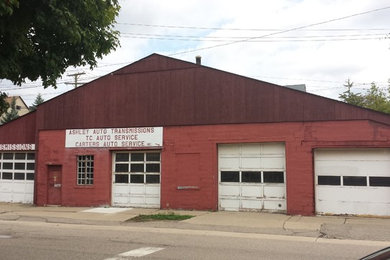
{"type": "Point", "coordinates": [138, 137]}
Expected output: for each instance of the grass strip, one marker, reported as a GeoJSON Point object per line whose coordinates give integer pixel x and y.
{"type": "Point", "coordinates": [160, 217]}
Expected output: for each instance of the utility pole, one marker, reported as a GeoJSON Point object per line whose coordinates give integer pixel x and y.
{"type": "Point", "coordinates": [76, 77]}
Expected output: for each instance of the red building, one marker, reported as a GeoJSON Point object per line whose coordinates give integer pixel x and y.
{"type": "Point", "coordinates": [165, 133]}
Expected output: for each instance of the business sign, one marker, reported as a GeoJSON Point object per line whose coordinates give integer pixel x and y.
{"type": "Point", "coordinates": [138, 137]}
{"type": "Point", "coordinates": [17, 147]}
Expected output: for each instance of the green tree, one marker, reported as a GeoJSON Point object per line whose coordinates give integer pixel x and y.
{"type": "Point", "coordinates": [11, 114]}
{"type": "Point", "coordinates": [375, 98]}
{"type": "Point", "coordinates": [42, 38]}
{"type": "Point", "coordinates": [38, 100]}
{"type": "Point", "coordinates": [3, 104]}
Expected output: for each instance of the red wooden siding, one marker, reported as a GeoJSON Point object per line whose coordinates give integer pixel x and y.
{"type": "Point", "coordinates": [160, 91]}
{"type": "Point", "coordinates": [19, 131]}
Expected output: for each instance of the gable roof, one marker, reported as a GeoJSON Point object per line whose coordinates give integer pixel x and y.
{"type": "Point", "coordinates": [163, 91]}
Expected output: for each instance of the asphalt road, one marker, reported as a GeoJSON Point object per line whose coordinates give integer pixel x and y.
{"type": "Point", "coordinates": [39, 240]}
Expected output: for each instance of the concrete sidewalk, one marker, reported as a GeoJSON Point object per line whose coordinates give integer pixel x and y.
{"type": "Point", "coordinates": [334, 227]}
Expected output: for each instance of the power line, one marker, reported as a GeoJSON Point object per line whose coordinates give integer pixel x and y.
{"type": "Point", "coordinates": [283, 31]}
{"type": "Point", "coordinates": [246, 29]}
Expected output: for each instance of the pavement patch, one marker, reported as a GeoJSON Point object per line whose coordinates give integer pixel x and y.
{"type": "Point", "coordinates": [106, 210]}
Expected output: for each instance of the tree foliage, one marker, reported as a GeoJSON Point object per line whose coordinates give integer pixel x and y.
{"type": "Point", "coordinates": [11, 114]}
{"type": "Point", "coordinates": [38, 100]}
{"type": "Point", "coordinates": [3, 104]}
{"type": "Point", "coordinates": [375, 98]}
{"type": "Point", "coordinates": [41, 38]}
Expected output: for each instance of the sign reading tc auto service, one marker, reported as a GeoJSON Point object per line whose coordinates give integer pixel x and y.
{"type": "Point", "coordinates": [138, 137]}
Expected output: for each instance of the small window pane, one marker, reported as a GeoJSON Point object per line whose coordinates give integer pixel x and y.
{"type": "Point", "coordinates": [7, 175]}
{"type": "Point", "coordinates": [137, 167]}
{"type": "Point", "coordinates": [329, 180]}
{"type": "Point", "coordinates": [121, 167]}
{"type": "Point", "coordinates": [20, 166]}
{"type": "Point", "coordinates": [30, 166]}
{"type": "Point", "coordinates": [18, 176]}
{"type": "Point", "coordinates": [251, 177]}
{"type": "Point", "coordinates": [136, 178]}
{"type": "Point", "coordinates": [20, 156]}
{"type": "Point", "coordinates": [121, 178]}
{"type": "Point", "coordinates": [354, 181]}
{"type": "Point", "coordinates": [30, 176]}
{"type": "Point", "coordinates": [229, 176]}
{"type": "Point", "coordinates": [273, 177]}
{"type": "Point", "coordinates": [8, 156]}
{"type": "Point", "coordinates": [153, 178]}
{"type": "Point", "coordinates": [31, 156]}
{"type": "Point", "coordinates": [1, 154]}
{"type": "Point", "coordinates": [153, 157]}
{"type": "Point", "coordinates": [8, 166]}
{"type": "Point", "coordinates": [122, 157]}
{"type": "Point", "coordinates": [380, 181]}
{"type": "Point", "coordinates": [153, 167]}
{"type": "Point", "coordinates": [137, 157]}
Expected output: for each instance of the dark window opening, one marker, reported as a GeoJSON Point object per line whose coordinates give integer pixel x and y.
{"type": "Point", "coordinates": [30, 166]}
{"type": "Point", "coordinates": [153, 178]}
{"type": "Point", "coordinates": [230, 176]}
{"type": "Point", "coordinates": [30, 176]}
{"type": "Point", "coordinates": [20, 166]}
{"type": "Point", "coordinates": [137, 167]}
{"type": "Point", "coordinates": [121, 178]}
{"type": "Point", "coordinates": [31, 156]}
{"type": "Point", "coordinates": [8, 166]}
{"type": "Point", "coordinates": [251, 177]}
{"type": "Point", "coordinates": [136, 178]}
{"type": "Point", "coordinates": [354, 181]}
{"type": "Point", "coordinates": [121, 167]}
{"type": "Point", "coordinates": [8, 156]}
{"type": "Point", "coordinates": [7, 175]}
{"type": "Point", "coordinates": [122, 157]}
{"type": "Point", "coordinates": [153, 157]}
{"type": "Point", "coordinates": [273, 177]}
{"type": "Point", "coordinates": [137, 157]}
{"type": "Point", "coordinates": [19, 176]}
{"type": "Point", "coordinates": [153, 167]}
{"type": "Point", "coordinates": [20, 156]}
{"type": "Point", "coordinates": [329, 180]}
{"type": "Point", "coordinates": [380, 181]}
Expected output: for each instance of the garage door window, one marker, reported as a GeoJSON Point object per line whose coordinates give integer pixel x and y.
{"type": "Point", "coordinates": [252, 176]}
{"type": "Point", "coordinates": [373, 181]}
{"type": "Point", "coordinates": [137, 167]}
{"type": "Point", "coordinates": [17, 166]}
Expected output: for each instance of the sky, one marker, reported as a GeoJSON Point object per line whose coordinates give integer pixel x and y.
{"type": "Point", "coordinates": [319, 43]}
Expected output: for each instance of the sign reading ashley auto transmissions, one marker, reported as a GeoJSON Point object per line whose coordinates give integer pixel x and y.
{"type": "Point", "coordinates": [137, 137]}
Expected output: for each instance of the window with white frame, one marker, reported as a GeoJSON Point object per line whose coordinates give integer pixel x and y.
{"type": "Point", "coordinates": [85, 166]}
{"type": "Point", "coordinates": [137, 167]}
{"type": "Point", "coordinates": [18, 166]}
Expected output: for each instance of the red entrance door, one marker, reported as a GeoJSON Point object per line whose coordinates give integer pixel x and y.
{"type": "Point", "coordinates": [54, 185]}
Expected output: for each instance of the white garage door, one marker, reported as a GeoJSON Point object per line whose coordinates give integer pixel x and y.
{"type": "Point", "coordinates": [136, 179]}
{"type": "Point", "coordinates": [353, 181]}
{"type": "Point", "coordinates": [252, 177]}
{"type": "Point", "coordinates": [17, 177]}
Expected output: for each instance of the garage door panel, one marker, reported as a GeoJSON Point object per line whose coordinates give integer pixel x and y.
{"type": "Point", "coordinates": [250, 163]}
{"type": "Point", "coordinates": [272, 163]}
{"type": "Point", "coordinates": [16, 171]}
{"type": "Point", "coordinates": [275, 205]}
{"type": "Point", "coordinates": [247, 204]}
{"type": "Point", "coordinates": [229, 190]}
{"type": "Point", "coordinates": [137, 180]}
{"type": "Point", "coordinates": [230, 163]}
{"type": "Point", "coordinates": [252, 166]}
{"type": "Point", "coordinates": [273, 148]}
{"type": "Point", "coordinates": [230, 204]}
{"type": "Point", "coordinates": [275, 192]}
{"type": "Point", "coordinates": [252, 191]}
{"type": "Point", "coordinates": [355, 167]}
